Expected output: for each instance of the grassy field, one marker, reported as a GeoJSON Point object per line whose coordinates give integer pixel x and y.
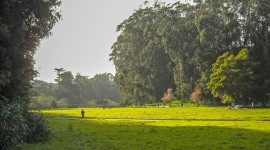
{"type": "Point", "coordinates": [158, 128]}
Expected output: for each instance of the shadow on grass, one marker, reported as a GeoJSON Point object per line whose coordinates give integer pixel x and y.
{"type": "Point", "coordinates": [104, 134]}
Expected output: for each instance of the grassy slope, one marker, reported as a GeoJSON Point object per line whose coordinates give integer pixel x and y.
{"type": "Point", "coordinates": [190, 128]}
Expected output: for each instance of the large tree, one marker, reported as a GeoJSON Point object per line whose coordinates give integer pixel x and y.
{"type": "Point", "coordinates": [65, 87]}
{"type": "Point", "coordinates": [23, 24]}
{"type": "Point", "coordinates": [233, 77]}
{"type": "Point", "coordinates": [143, 69]}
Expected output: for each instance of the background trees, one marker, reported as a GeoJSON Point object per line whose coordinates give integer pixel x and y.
{"type": "Point", "coordinates": [80, 90]}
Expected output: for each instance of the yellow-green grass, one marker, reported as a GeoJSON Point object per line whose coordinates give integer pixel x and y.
{"type": "Point", "coordinates": [158, 128]}
{"type": "Point", "coordinates": [191, 113]}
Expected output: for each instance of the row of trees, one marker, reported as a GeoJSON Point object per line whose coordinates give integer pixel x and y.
{"type": "Point", "coordinates": [75, 91]}
{"type": "Point", "coordinates": [175, 45]}
{"type": "Point", "coordinates": [23, 24]}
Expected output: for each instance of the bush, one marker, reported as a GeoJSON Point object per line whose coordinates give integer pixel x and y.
{"type": "Point", "coordinates": [13, 126]}
{"type": "Point", "coordinates": [38, 128]}
{"type": "Point", "coordinates": [41, 102]}
{"type": "Point", "coordinates": [168, 97]}
{"type": "Point", "coordinates": [194, 97]}
{"type": "Point", "coordinates": [175, 103]}
{"type": "Point", "coordinates": [62, 104]}
{"type": "Point", "coordinates": [19, 126]}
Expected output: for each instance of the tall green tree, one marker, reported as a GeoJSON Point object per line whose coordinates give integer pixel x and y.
{"type": "Point", "coordinates": [104, 87]}
{"type": "Point", "coordinates": [233, 77]}
{"type": "Point", "coordinates": [66, 88]}
{"type": "Point", "coordinates": [84, 87]}
{"type": "Point", "coordinates": [23, 24]}
{"type": "Point", "coordinates": [179, 37]}
{"type": "Point", "coordinates": [144, 70]}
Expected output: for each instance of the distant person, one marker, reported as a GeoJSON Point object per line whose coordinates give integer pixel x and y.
{"type": "Point", "coordinates": [82, 112]}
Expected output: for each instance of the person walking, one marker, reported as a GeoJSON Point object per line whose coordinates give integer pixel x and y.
{"type": "Point", "coordinates": [82, 112]}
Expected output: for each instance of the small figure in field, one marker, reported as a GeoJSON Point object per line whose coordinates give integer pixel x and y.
{"type": "Point", "coordinates": [82, 112]}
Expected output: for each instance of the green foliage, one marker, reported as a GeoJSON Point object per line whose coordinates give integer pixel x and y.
{"type": "Point", "coordinates": [174, 103]}
{"type": "Point", "coordinates": [175, 45]}
{"type": "Point", "coordinates": [143, 69]}
{"type": "Point", "coordinates": [62, 104]}
{"type": "Point", "coordinates": [226, 99]}
{"type": "Point", "coordinates": [66, 89]}
{"type": "Point", "coordinates": [38, 128]}
{"type": "Point", "coordinates": [13, 126]}
{"type": "Point", "coordinates": [18, 126]}
{"type": "Point", "coordinates": [233, 77]}
{"type": "Point", "coordinates": [23, 24]}
{"type": "Point", "coordinates": [42, 102]}
{"type": "Point", "coordinates": [79, 90]}
{"type": "Point", "coordinates": [42, 88]}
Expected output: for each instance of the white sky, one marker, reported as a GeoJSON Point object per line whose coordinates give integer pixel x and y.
{"type": "Point", "coordinates": [81, 42]}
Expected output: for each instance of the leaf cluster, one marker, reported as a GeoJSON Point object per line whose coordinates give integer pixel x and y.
{"type": "Point", "coordinates": [233, 77]}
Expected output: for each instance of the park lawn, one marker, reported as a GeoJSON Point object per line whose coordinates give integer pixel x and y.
{"type": "Point", "coordinates": [158, 128]}
{"type": "Point", "coordinates": [193, 113]}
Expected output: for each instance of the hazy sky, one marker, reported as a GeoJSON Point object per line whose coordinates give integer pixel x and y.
{"type": "Point", "coordinates": [81, 42]}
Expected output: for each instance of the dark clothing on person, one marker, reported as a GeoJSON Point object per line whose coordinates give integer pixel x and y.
{"type": "Point", "coordinates": [82, 112]}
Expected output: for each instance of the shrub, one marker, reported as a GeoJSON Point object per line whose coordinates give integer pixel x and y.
{"type": "Point", "coordinates": [168, 97]}
{"type": "Point", "coordinates": [13, 126]}
{"type": "Point", "coordinates": [175, 103]}
{"type": "Point", "coordinates": [19, 126]}
{"type": "Point", "coordinates": [62, 104]}
{"type": "Point", "coordinates": [38, 128]}
{"type": "Point", "coordinates": [194, 97]}
{"type": "Point", "coordinates": [41, 102]}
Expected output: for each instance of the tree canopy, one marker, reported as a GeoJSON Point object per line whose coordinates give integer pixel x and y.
{"type": "Point", "coordinates": [233, 78]}
{"type": "Point", "coordinates": [23, 24]}
{"type": "Point", "coordinates": [174, 46]}
{"type": "Point", "coordinates": [79, 90]}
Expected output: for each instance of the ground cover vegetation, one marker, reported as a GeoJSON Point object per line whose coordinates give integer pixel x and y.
{"type": "Point", "coordinates": [22, 25]}
{"type": "Point", "coordinates": [158, 128]}
{"type": "Point", "coordinates": [218, 47]}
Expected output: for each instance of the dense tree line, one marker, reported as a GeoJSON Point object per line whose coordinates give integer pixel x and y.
{"type": "Point", "coordinates": [175, 45]}
{"type": "Point", "coordinates": [75, 91]}
{"type": "Point", "coordinates": [79, 90]}
{"type": "Point", "coordinates": [22, 25]}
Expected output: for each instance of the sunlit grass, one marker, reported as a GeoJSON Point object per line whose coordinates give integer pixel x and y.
{"type": "Point", "coordinates": [158, 128]}
{"type": "Point", "coordinates": [198, 113]}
